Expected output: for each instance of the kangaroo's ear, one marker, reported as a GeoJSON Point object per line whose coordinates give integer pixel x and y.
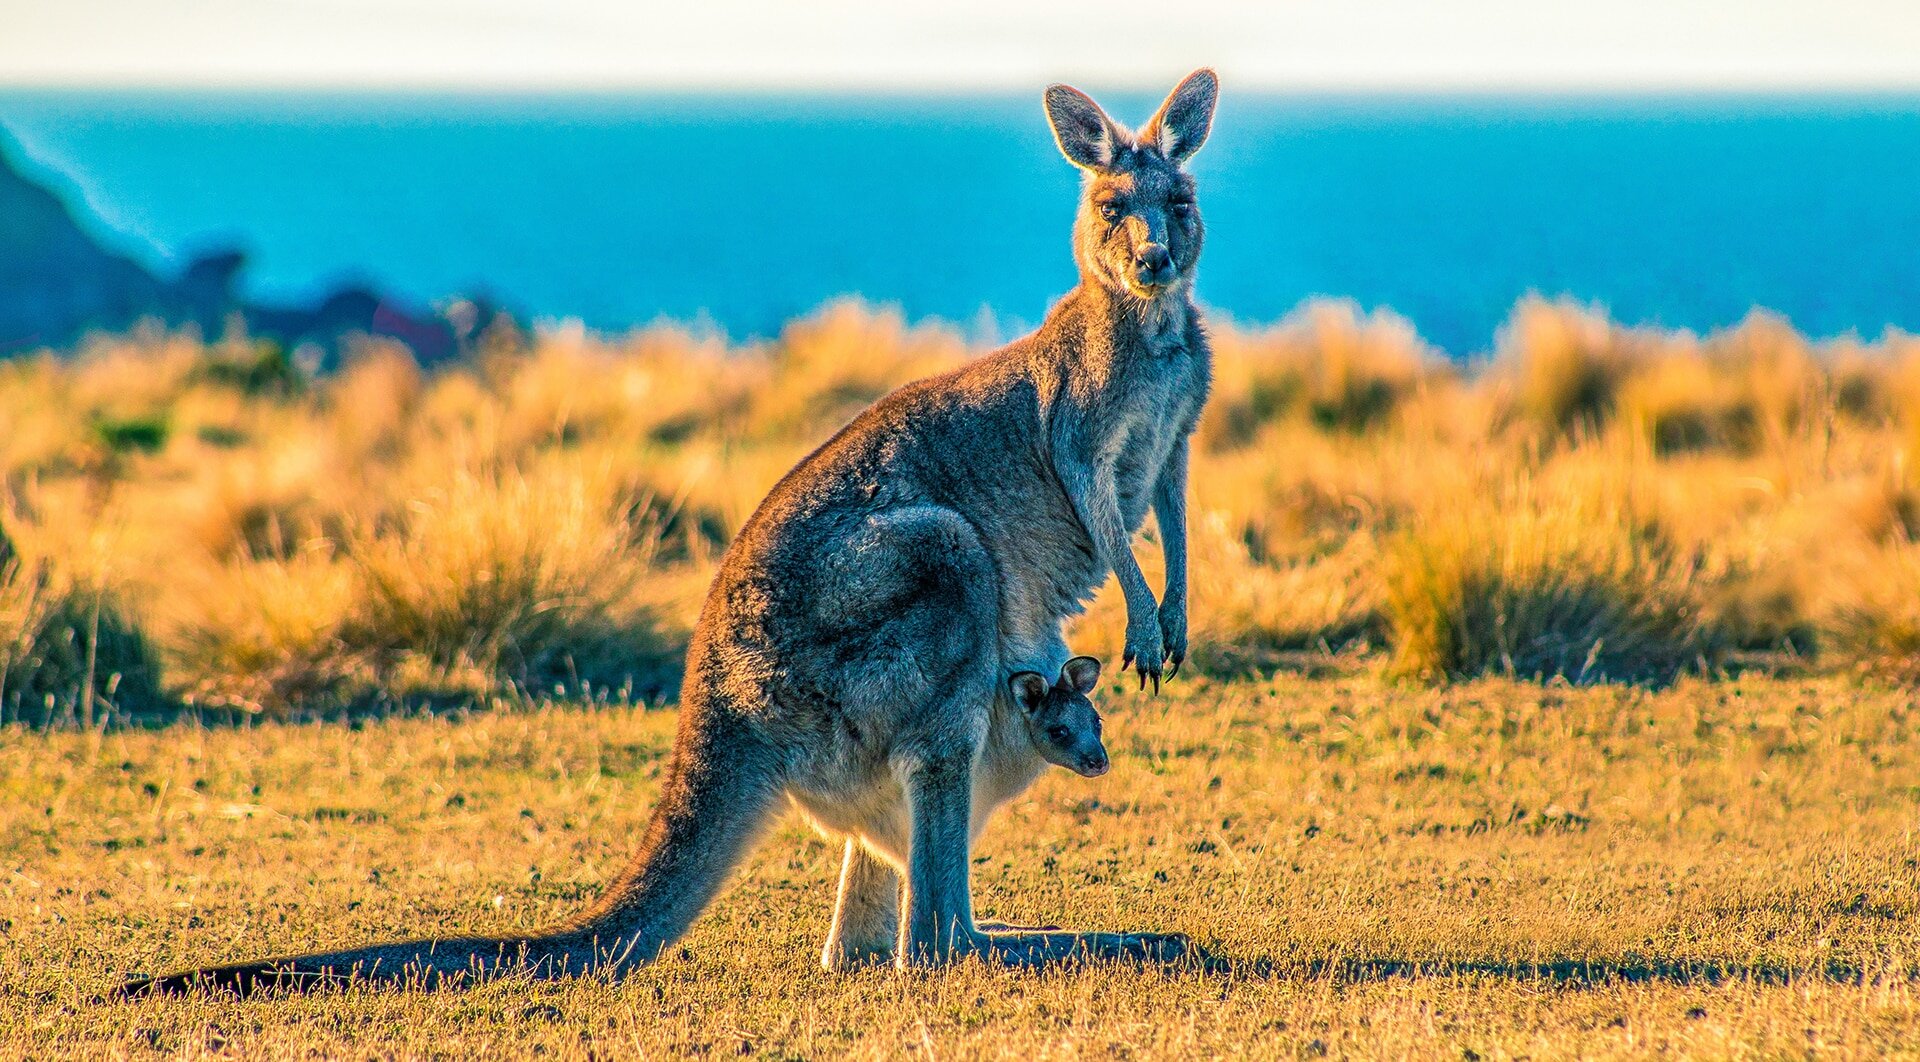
{"type": "Point", "coordinates": [1182, 123]}
{"type": "Point", "coordinates": [1080, 674]}
{"type": "Point", "coordinates": [1087, 137]}
{"type": "Point", "coordinates": [1029, 689]}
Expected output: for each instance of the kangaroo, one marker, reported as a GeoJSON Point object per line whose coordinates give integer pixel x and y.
{"type": "Point", "coordinates": [853, 653]}
{"type": "Point", "coordinates": [1061, 719]}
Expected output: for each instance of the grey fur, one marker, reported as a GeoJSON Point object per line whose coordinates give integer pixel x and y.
{"type": "Point", "coordinates": [854, 649]}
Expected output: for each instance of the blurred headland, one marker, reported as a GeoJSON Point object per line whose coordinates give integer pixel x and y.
{"type": "Point", "coordinates": [58, 282]}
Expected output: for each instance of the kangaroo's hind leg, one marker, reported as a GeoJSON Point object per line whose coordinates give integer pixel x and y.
{"type": "Point", "coordinates": [903, 606]}
{"type": "Point", "coordinates": [938, 926]}
{"type": "Point", "coordinates": [866, 919]}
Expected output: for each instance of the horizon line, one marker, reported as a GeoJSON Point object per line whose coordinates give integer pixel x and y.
{"type": "Point", "coordinates": [1444, 87]}
{"type": "Point", "coordinates": [907, 91]}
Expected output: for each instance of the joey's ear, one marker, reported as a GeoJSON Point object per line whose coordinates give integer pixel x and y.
{"type": "Point", "coordinates": [1182, 123]}
{"type": "Point", "coordinates": [1080, 674]}
{"type": "Point", "coordinates": [1029, 689]}
{"type": "Point", "coordinates": [1087, 137]}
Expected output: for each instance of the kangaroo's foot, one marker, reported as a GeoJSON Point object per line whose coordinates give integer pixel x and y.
{"type": "Point", "coordinates": [841, 956]}
{"type": "Point", "coordinates": [1008, 927]}
{"type": "Point", "coordinates": [1049, 947]}
{"type": "Point", "coordinates": [1031, 948]}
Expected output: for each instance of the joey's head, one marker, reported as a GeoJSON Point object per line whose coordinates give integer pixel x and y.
{"type": "Point", "coordinates": [1060, 717]}
{"type": "Point", "coordinates": [1138, 230]}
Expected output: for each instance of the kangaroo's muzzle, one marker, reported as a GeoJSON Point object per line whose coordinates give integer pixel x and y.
{"type": "Point", "coordinates": [1152, 266]}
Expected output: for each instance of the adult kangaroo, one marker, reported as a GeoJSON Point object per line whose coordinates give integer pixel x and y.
{"type": "Point", "coordinates": [854, 652]}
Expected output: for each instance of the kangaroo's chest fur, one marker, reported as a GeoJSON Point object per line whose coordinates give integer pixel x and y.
{"type": "Point", "coordinates": [1128, 392]}
{"type": "Point", "coordinates": [1161, 374]}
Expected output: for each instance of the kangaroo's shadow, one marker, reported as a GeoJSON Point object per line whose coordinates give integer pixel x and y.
{"type": "Point", "coordinates": [1566, 972]}
{"type": "Point", "coordinates": [1191, 956]}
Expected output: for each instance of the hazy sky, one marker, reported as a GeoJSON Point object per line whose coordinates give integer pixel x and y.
{"type": "Point", "coordinates": [979, 44]}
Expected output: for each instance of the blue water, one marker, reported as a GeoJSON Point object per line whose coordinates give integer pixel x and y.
{"type": "Point", "coordinates": [747, 210]}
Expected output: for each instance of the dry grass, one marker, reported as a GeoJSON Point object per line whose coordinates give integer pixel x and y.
{"type": "Point", "coordinates": [526, 576]}
{"type": "Point", "coordinates": [1329, 365]}
{"type": "Point", "coordinates": [1540, 588]}
{"type": "Point", "coordinates": [1593, 502]}
{"type": "Point", "coordinates": [1875, 621]}
{"type": "Point", "coordinates": [69, 654]}
{"type": "Point", "coordinates": [1467, 867]}
{"type": "Point", "coordinates": [1723, 869]}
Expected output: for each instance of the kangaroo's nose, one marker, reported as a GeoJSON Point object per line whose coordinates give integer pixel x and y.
{"type": "Point", "coordinates": [1152, 259]}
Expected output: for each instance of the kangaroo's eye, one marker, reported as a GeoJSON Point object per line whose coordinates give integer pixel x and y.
{"type": "Point", "coordinates": [1182, 207]}
{"type": "Point", "coordinates": [1110, 211]}
{"type": "Point", "coordinates": [1059, 733]}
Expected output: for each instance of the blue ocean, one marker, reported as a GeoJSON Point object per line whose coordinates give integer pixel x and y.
{"type": "Point", "coordinates": [743, 211]}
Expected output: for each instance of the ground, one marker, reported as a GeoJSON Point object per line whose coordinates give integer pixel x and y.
{"type": "Point", "coordinates": [1488, 870]}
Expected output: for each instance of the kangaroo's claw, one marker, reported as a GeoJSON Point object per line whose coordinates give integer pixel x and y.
{"type": "Point", "coordinates": [1148, 671]}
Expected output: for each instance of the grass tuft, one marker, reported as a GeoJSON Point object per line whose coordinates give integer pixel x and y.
{"type": "Point", "coordinates": [1541, 589]}
{"type": "Point", "coordinates": [70, 652]}
{"type": "Point", "coordinates": [1563, 365]}
{"type": "Point", "coordinates": [265, 637]}
{"type": "Point", "coordinates": [527, 579]}
{"type": "Point", "coordinates": [1873, 626]}
{"type": "Point", "coordinates": [1329, 364]}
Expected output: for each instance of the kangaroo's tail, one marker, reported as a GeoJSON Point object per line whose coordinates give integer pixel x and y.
{"type": "Point", "coordinates": [719, 793]}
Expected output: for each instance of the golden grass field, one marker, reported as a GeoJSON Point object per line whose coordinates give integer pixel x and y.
{"type": "Point", "coordinates": [1554, 705]}
{"type": "Point", "coordinates": [1492, 869]}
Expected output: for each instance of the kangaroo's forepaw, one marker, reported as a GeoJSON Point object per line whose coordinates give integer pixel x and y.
{"type": "Point", "coordinates": [1149, 667]}
{"type": "Point", "coordinates": [1145, 652]}
{"type": "Point", "coordinates": [1173, 635]}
